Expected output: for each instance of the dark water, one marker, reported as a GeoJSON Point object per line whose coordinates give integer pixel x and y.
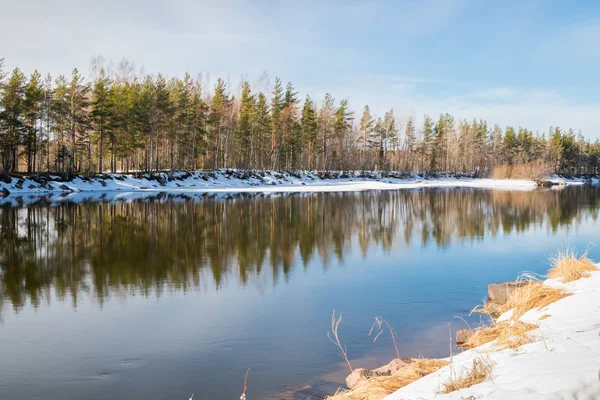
{"type": "Point", "coordinates": [162, 297]}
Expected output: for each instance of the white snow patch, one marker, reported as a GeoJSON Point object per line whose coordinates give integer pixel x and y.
{"type": "Point", "coordinates": [562, 363]}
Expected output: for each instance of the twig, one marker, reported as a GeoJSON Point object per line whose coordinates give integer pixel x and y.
{"type": "Point", "coordinates": [243, 396]}
{"type": "Point", "coordinates": [379, 322]}
{"type": "Point", "coordinates": [333, 336]}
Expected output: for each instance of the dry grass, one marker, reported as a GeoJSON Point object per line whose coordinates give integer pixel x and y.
{"type": "Point", "coordinates": [534, 295]}
{"type": "Point", "coordinates": [508, 335]}
{"type": "Point", "coordinates": [535, 170]}
{"type": "Point", "coordinates": [377, 388]}
{"type": "Point", "coordinates": [480, 372]}
{"type": "Point", "coordinates": [513, 333]}
{"type": "Point", "coordinates": [567, 267]}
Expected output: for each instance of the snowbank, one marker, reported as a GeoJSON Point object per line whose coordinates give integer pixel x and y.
{"type": "Point", "coordinates": [232, 181]}
{"type": "Point", "coordinates": [562, 363]}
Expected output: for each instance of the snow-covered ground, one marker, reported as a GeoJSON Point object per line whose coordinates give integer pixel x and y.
{"type": "Point", "coordinates": [562, 363]}
{"type": "Point", "coordinates": [130, 186]}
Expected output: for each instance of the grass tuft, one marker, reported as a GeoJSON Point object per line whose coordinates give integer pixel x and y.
{"type": "Point", "coordinates": [508, 335]}
{"type": "Point", "coordinates": [377, 388]}
{"type": "Point", "coordinates": [480, 372]}
{"type": "Point", "coordinates": [567, 267]}
{"type": "Point", "coordinates": [534, 295]}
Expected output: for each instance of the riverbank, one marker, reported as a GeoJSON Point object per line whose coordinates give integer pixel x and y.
{"type": "Point", "coordinates": [257, 181]}
{"type": "Point", "coordinates": [545, 347]}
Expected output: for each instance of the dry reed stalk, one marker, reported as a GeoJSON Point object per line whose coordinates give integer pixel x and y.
{"type": "Point", "coordinates": [243, 396]}
{"type": "Point", "coordinates": [379, 322]}
{"type": "Point", "coordinates": [335, 339]}
{"type": "Point", "coordinates": [567, 267]}
{"type": "Point", "coordinates": [377, 388]}
{"type": "Point", "coordinates": [480, 372]}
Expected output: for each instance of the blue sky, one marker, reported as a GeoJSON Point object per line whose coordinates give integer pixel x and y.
{"type": "Point", "coordinates": [523, 63]}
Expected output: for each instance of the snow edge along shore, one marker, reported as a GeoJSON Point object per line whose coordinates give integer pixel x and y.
{"type": "Point", "coordinates": [260, 181]}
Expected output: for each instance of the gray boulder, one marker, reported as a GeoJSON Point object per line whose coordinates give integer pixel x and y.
{"type": "Point", "coordinates": [499, 292]}
{"type": "Point", "coordinates": [360, 374]}
{"type": "Point", "coordinates": [463, 336]}
{"type": "Point", "coordinates": [357, 376]}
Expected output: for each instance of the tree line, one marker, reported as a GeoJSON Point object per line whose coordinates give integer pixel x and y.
{"type": "Point", "coordinates": [125, 121]}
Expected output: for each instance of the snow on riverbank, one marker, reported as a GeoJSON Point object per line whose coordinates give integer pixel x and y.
{"type": "Point", "coordinates": [562, 363]}
{"type": "Point", "coordinates": [229, 181]}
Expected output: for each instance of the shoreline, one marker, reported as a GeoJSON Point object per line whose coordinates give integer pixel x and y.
{"type": "Point", "coordinates": [229, 181]}
{"type": "Point", "coordinates": [559, 357]}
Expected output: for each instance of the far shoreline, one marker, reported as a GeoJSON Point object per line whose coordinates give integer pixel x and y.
{"type": "Point", "coordinates": [237, 181]}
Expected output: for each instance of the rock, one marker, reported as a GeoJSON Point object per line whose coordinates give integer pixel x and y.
{"type": "Point", "coordinates": [357, 376]}
{"type": "Point", "coordinates": [545, 183]}
{"type": "Point", "coordinates": [499, 292]}
{"type": "Point", "coordinates": [4, 192]}
{"type": "Point", "coordinates": [390, 369]}
{"type": "Point", "coordinates": [65, 187]}
{"type": "Point", "coordinates": [360, 374]}
{"type": "Point", "coordinates": [493, 310]}
{"type": "Point", "coordinates": [463, 336]}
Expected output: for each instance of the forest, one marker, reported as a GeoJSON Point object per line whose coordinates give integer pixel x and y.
{"type": "Point", "coordinates": [122, 120]}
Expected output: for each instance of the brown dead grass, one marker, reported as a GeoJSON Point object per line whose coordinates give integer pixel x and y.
{"type": "Point", "coordinates": [534, 295]}
{"type": "Point", "coordinates": [567, 267]}
{"type": "Point", "coordinates": [507, 334]}
{"type": "Point", "coordinates": [513, 333]}
{"type": "Point", "coordinates": [536, 170]}
{"type": "Point", "coordinates": [377, 388]}
{"type": "Point", "coordinates": [480, 372]}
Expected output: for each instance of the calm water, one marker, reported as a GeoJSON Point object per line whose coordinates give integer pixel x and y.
{"type": "Point", "coordinates": [161, 297]}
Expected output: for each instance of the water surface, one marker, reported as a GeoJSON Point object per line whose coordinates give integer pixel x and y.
{"type": "Point", "coordinates": [168, 295]}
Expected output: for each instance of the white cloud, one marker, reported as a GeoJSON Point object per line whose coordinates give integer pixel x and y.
{"type": "Point", "coordinates": [535, 109]}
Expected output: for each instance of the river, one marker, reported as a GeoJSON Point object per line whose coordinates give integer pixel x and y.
{"type": "Point", "coordinates": [165, 295]}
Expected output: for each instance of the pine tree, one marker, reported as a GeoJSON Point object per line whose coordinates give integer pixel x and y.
{"type": "Point", "coordinates": [411, 143]}
{"type": "Point", "coordinates": [366, 127]}
{"type": "Point", "coordinates": [510, 144]}
{"type": "Point", "coordinates": [277, 106]}
{"type": "Point", "coordinates": [12, 119]}
{"type": "Point", "coordinates": [341, 130]}
{"type": "Point", "coordinates": [244, 127]}
{"type": "Point", "coordinates": [325, 127]}
{"type": "Point", "coordinates": [426, 151]}
{"type": "Point", "coordinates": [77, 114]}
{"type": "Point", "coordinates": [217, 119]}
{"type": "Point", "coordinates": [102, 113]}
{"type": "Point", "coordinates": [46, 126]}
{"type": "Point", "coordinates": [262, 127]}
{"type": "Point", "coordinates": [32, 105]}
{"type": "Point", "coordinates": [290, 129]}
{"type": "Point", "coordinates": [390, 134]}
{"type": "Point", "coordinates": [309, 129]}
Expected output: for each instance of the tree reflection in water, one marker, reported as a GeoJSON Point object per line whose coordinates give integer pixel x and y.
{"type": "Point", "coordinates": [167, 243]}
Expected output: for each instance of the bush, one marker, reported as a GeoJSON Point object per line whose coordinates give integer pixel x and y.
{"type": "Point", "coordinates": [536, 170]}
